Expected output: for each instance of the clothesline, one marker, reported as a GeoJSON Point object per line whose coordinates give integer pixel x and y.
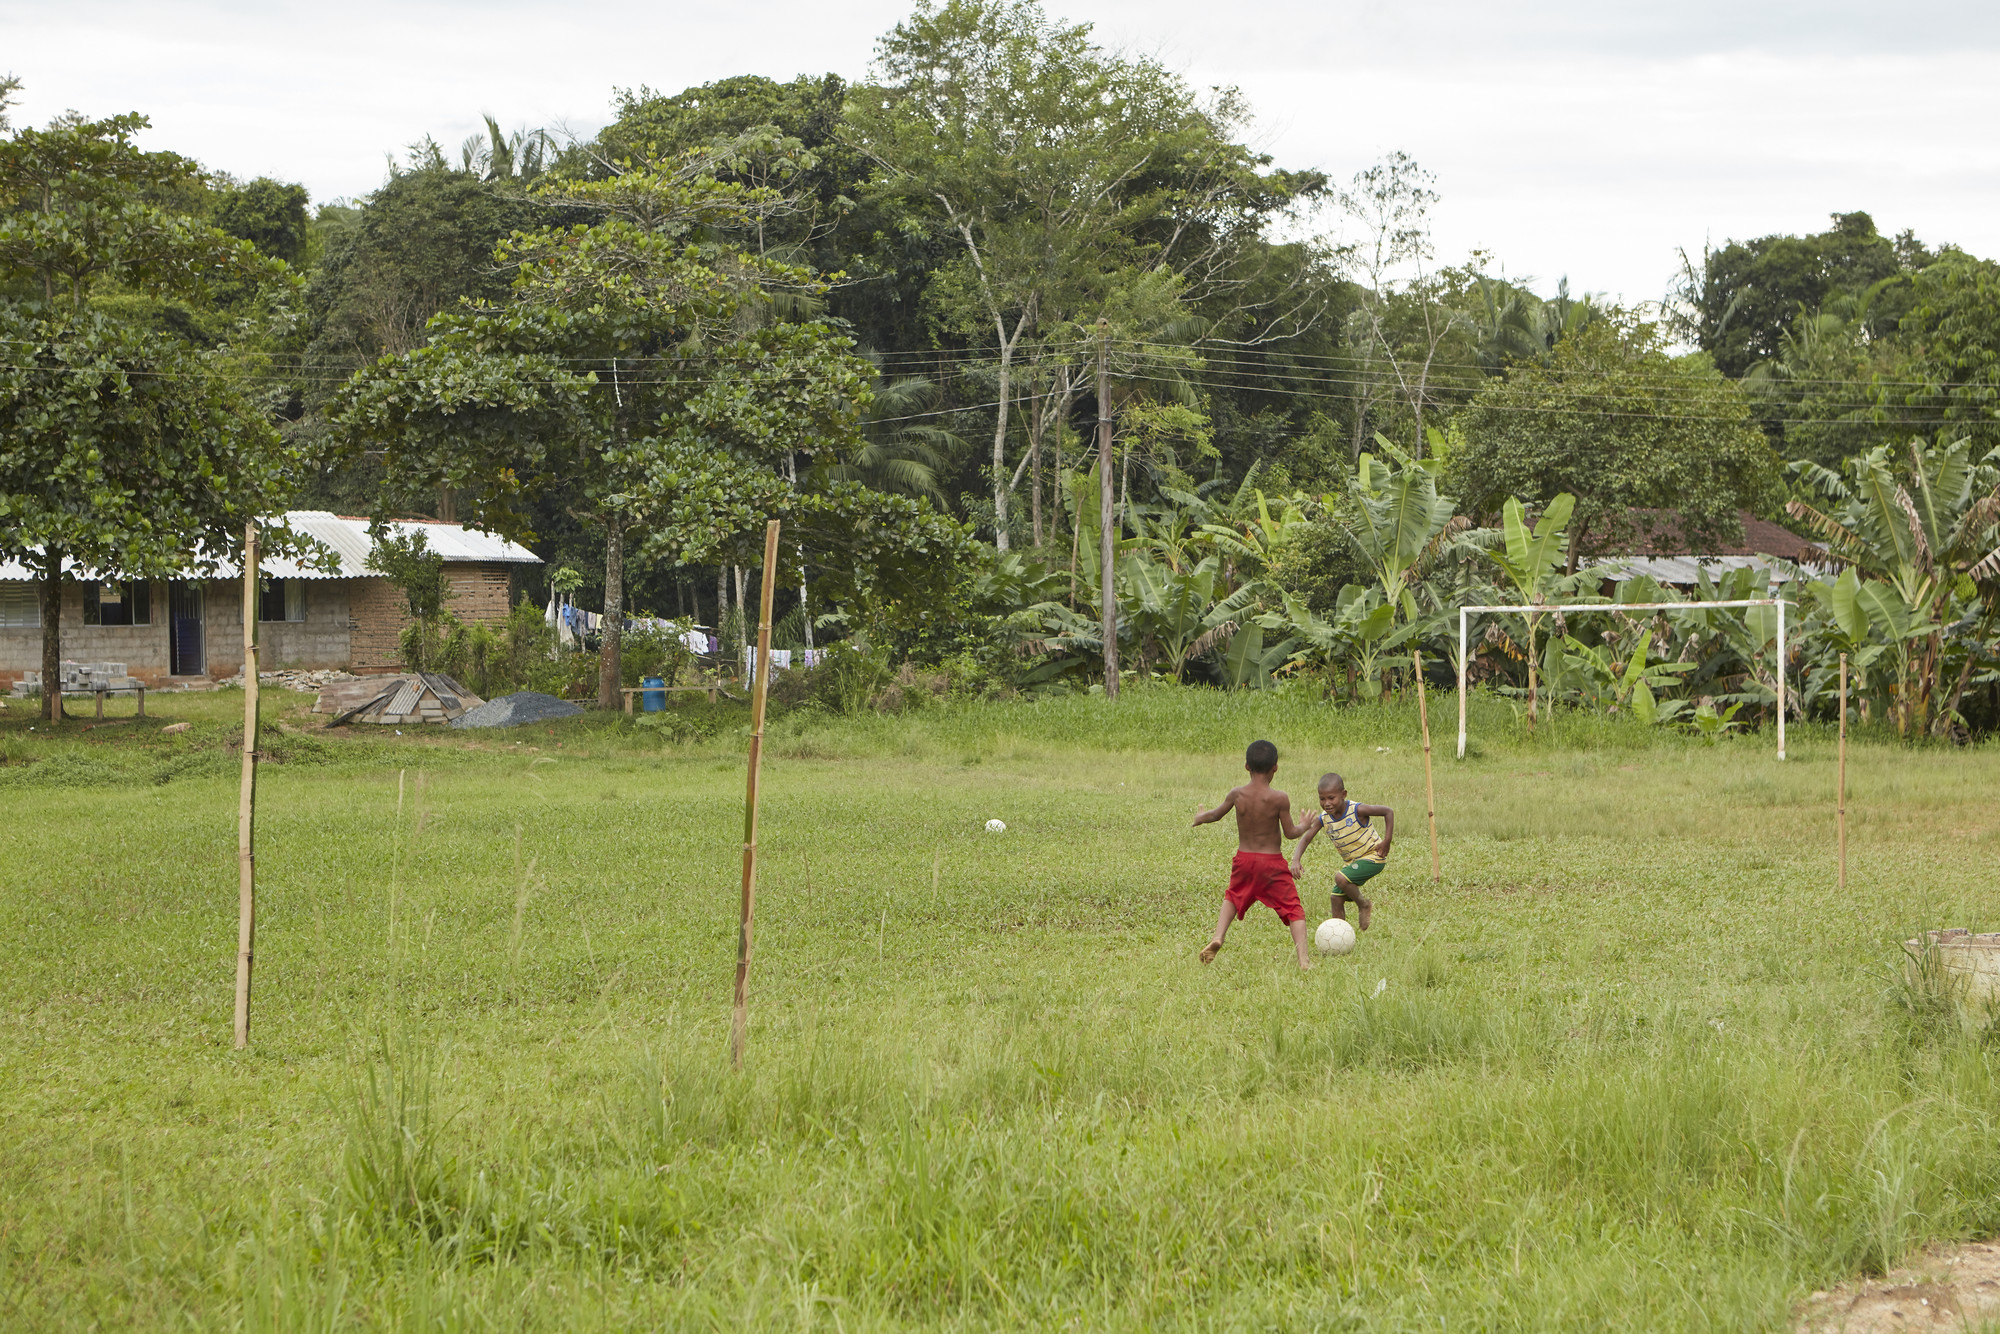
{"type": "Point", "coordinates": [781, 660]}
{"type": "Point", "coordinates": [572, 623]}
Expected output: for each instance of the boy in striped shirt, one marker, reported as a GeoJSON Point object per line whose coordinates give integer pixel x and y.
{"type": "Point", "coordinates": [1364, 851]}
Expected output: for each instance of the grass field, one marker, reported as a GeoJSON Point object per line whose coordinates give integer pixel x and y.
{"type": "Point", "coordinates": [1636, 1063]}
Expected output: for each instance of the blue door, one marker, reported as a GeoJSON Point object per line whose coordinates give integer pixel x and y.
{"type": "Point", "coordinates": [185, 653]}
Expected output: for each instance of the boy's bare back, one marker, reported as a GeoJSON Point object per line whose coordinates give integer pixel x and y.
{"type": "Point", "coordinates": [1263, 815]}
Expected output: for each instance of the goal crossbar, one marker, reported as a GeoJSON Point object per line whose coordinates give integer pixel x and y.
{"type": "Point", "coordinates": [1552, 608]}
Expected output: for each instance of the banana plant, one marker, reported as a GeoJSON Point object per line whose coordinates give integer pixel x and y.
{"type": "Point", "coordinates": [1400, 519]}
{"type": "Point", "coordinates": [1634, 684]}
{"type": "Point", "coordinates": [1876, 609]}
{"type": "Point", "coordinates": [1250, 543]}
{"type": "Point", "coordinates": [1928, 527]}
{"type": "Point", "coordinates": [1236, 635]}
{"type": "Point", "coordinates": [1711, 725]}
{"type": "Point", "coordinates": [1362, 628]}
{"type": "Point", "coordinates": [1530, 561]}
{"type": "Point", "coordinates": [1845, 626]}
{"type": "Point", "coordinates": [1166, 609]}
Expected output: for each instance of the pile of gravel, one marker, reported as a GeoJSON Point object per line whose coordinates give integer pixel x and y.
{"type": "Point", "coordinates": [526, 706]}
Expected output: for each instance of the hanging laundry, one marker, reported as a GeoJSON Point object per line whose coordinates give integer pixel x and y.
{"type": "Point", "coordinates": [781, 660]}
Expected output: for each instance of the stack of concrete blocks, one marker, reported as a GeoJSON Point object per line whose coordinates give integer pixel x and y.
{"type": "Point", "coordinates": [80, 678]}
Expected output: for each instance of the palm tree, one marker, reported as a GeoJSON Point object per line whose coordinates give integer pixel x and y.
{"type": "Point", "coordinates": [494, 156]}
{"type": "Point", "coordinates": [1517, 326]}
{"type": "Point", "coordinates": [902, 450]}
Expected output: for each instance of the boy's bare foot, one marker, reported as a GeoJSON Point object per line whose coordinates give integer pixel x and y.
{"type": "Point", "coordinates": [1367, 907]}
{"type": "Point", "coordinates": [1209, 951]}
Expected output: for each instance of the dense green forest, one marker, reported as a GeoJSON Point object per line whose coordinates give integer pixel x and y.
{"type": "Point", "coordinates": [944, 319]}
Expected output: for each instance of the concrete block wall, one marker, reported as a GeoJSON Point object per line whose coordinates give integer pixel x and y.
{"type": "Point", "coordinates": [322, 641]}
{"type": "Point", "coordinates": [142, 648]}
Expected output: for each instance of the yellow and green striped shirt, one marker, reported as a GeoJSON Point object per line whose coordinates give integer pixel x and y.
{"type": "Point", "coordinates": [1351, 838]}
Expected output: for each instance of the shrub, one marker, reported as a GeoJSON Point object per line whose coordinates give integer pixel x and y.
{"type": "Point", "coordinates": [566, 676]}
{"type": "Point", "coordinates": [473, 655]}
{"type": "Point", "coordinates": [653, 651]}
{"type": "Point", "coordinates": [910, 688]}
{"type": "Point", "coordinates": [848, 679]}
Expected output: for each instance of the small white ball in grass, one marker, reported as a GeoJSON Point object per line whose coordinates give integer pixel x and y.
{"type": "Point", "coordinates": [1334, 936]}
{"type": "Point", "coordinates": [996, 826]}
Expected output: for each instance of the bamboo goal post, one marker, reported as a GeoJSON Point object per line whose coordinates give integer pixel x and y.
{"type": "Point", "coordinates": [246, 806]}
{"type": "Point", "coordinates": [739, 1025]}
{"type": "Point", "coordinates": [1840, 789]}
{"type": "Point", "coordinates": [1430, 789]}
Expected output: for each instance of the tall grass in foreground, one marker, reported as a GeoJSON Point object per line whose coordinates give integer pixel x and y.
{"type": "Point", "coordinates": [975, 1178]}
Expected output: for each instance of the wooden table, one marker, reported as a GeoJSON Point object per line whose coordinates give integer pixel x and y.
{"type": "Point", "coordinates": [711, 689]}
{"type": "Point", "coordinates": [102, 691]}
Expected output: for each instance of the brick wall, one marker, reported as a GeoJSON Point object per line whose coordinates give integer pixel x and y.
{"type": "Point", "coordinates": [479, 592]}
{"type": "Point", "coordinates": [378, 613]}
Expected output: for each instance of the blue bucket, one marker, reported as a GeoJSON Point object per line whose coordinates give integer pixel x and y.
{"type": "Point", "coordinates": [654, 697]}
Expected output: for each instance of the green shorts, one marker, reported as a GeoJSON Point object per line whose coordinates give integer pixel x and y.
{"type": "Point", "coordinates": [1360, 872]}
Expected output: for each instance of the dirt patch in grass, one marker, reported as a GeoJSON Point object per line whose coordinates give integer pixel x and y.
{"type": "Point", "coordinates": [1947, 1288]}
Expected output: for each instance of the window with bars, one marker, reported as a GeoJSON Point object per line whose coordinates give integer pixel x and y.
{"type": "Point", "coordinates": [20, 605]}
{"type": "Point", "coordinates": [282, 600]}
{"type": "Point", "coordinates": [118, 602]}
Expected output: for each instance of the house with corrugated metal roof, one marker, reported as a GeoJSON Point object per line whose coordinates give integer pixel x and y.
{"type": "Point", "coordinates": [190, 631]}
{"type": "Point", "coordinates": [1660, 549]}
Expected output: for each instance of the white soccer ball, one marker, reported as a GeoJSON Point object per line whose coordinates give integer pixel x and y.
{"type": "Point", "coordinates": [1334, 936]}
{"type": "Point", "coordinates": [996, 826]}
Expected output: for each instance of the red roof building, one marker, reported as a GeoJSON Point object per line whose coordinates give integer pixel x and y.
{"type": "Point", "coordinates": [1669, 557]}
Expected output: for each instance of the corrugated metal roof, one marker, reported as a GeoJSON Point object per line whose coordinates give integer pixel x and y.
{"type": "Point", "coordinates": [347, 536]}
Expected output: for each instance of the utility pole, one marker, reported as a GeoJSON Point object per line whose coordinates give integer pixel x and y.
{"type": "Point", "coordinates": [1106, 517]}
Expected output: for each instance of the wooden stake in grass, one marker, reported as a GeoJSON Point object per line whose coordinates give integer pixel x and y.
{"type": "Point", "coordinates": [246, 808]}
{"type": "Point", "coordinates": [1840, 792]}
{"type": "Point", "coordinates": [1430, 792]}
{"type": "Point", "coordinates": [739, 1025]}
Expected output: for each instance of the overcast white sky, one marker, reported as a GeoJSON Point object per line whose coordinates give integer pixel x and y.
{"type": "Point", "coordinates": [1585, 138]}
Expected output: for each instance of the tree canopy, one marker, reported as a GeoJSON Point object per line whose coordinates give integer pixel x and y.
{"type": "Point", "coordinates": [1624, 425]}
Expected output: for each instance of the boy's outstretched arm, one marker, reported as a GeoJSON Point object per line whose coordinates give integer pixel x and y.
{"type": "Point", "coordinates": [1388, 823]}
{"type": "Point", "coordinates": [1210, 817]}
{"type": "Point", "coordinates": [1285, 819]}
{"type": "Point", "coordinates": [1299, 853]}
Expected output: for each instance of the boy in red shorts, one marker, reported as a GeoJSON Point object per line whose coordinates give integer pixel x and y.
{"type": "Point", "coordinates": [1259, 874]}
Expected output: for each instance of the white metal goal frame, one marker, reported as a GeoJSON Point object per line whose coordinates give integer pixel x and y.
{"type": "Point", "coordinates": [1552, 608]}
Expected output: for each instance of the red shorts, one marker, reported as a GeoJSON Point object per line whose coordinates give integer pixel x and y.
{"type": "Point", "coordinates": [1264, 877]}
